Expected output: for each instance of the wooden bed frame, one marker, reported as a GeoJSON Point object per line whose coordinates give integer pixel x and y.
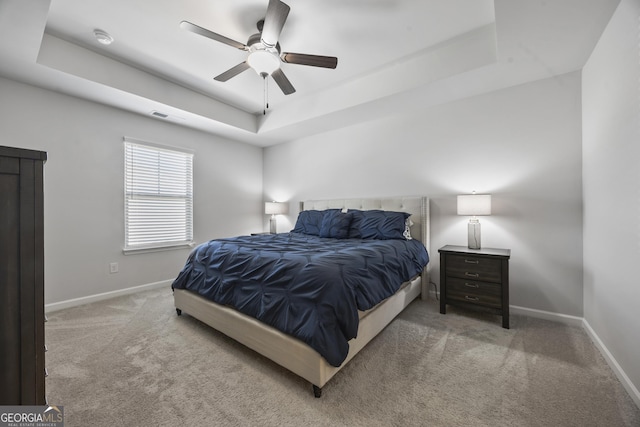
{"type": "Point", "coordinates": [292, 353]}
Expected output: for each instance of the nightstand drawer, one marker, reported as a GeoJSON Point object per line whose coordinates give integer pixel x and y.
{"type": "Point", "coordinates": [475, 292]}
{"type": "Point", "coordinates": [474, 268]}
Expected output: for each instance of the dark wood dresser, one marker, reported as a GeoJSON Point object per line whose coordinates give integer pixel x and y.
{"type": "Point", "coordinates": [22, 368]}
{"type": "Point", "coordinates": [475, 278]}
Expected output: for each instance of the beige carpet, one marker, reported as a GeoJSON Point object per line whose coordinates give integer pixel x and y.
{"type": "Point", "coordinates": [131, 361]}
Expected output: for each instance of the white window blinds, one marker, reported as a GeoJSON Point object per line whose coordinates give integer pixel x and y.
{"type": "Point", "coordinates": [158, 196]}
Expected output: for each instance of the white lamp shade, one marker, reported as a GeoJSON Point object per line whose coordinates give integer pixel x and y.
{"type": "Point", "coordinates": [276, 208]}
{"type": "Point", "coordinates": [474, 204]}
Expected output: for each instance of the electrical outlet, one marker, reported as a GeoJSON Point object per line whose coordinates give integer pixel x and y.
{"type": "Point", "coordinates": [113, 267]}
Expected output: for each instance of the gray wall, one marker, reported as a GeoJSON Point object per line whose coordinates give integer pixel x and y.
{"type": "Point", "coordinates": [521, 144]}
{"type": "Point", "coordinates": [84, 201]}
{"type": "Point", "coordinates": [611, 179]}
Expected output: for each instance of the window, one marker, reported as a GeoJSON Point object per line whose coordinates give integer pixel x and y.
{"type": "Point", "coordinates": [158, 196]}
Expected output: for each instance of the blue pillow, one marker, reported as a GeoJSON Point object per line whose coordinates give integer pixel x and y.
{"type": "Point", "coordinates": [309, 222]}
{"type": "Point", "coordinates": [335, 224]}
{"type": "Point", "coordinates": [377, 224]}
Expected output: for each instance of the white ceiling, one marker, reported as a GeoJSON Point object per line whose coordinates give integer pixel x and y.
{"type": "Point", "coordinates": [390, 53]}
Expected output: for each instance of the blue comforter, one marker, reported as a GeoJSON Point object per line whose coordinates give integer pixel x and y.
{"type": "Point", "coordinates": [306, 286]}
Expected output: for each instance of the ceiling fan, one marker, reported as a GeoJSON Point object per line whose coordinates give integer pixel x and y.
{"type": "Point", "coordinates": [265, 56]}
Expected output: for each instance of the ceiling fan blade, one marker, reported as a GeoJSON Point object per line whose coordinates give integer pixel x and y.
{"type": "Point", "coordinates": [283, 82]}
{"type": "Point", "coordinates": [232, 72]}
{"type": "Point", "coordinates": [186, 25]}
{"type": "Point", "coordinates": [312, 60]}
{"type": "Point", "coordinates": [274, 20]}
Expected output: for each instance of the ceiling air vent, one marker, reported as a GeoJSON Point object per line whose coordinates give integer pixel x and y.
{"type": "Point", "coordinates": [159, 114]}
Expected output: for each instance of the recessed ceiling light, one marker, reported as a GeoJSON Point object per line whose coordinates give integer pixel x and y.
{"type": "Point", "coordinates": [103, 37]}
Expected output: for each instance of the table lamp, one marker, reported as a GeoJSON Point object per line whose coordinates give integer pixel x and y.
{"type": "Point", "coordinates": [474, 205]}
{"type": "Point", "coordinates": [273, 209]}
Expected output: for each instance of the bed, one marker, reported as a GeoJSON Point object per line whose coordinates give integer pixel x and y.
{"type": "Point", "coordinates": [315, 359]}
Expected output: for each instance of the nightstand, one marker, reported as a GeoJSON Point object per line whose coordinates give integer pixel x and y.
{"type": "Point", "coordinates": [475, 278]}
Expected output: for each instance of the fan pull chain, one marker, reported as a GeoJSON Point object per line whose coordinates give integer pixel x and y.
{"type": "Point", "coordinates": [266, 93]}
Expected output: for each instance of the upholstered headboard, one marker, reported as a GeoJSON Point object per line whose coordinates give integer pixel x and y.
{"type": "Point", "coordinates": [417, 206]}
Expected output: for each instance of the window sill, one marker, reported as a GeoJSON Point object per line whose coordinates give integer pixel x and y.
{"type": "Point", "coordinates": [134, 251]}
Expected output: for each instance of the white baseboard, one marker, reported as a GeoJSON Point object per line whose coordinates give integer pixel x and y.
{"type": "Point", "coordinates": [613, 363]}
{"type": "Point", "coordinates": [531, 312]}
{"type": "Point", "coordinates": [546, 315]}
{"type": "Point", "coordinates": [48, 308]}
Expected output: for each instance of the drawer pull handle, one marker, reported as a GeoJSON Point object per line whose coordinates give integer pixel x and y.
{"type": "Point", "coordinates": [471, 285]}
{"type": "Point", "coordinates": [466, 273]}
{"type": "Point", "coordinates": [472, 261]}
{"type": "Point", "coordinates": [468, 298]}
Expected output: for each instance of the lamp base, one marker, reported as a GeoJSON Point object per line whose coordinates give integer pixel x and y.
{"type": "Point", "coordinates": [272, 224]}
{"type": "Point", "coordinates": [474, 234]}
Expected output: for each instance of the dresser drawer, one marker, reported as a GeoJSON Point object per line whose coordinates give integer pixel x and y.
{"type": "Point", "coordinates": [474, 292]}
{"type": "Point", "coordinates": [475, 268]}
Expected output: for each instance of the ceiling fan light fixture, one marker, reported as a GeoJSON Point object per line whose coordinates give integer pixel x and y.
{"type": "Point", "coordinates": [263, 61]}
{"type": "Point", "coordinates": [103, 37]}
